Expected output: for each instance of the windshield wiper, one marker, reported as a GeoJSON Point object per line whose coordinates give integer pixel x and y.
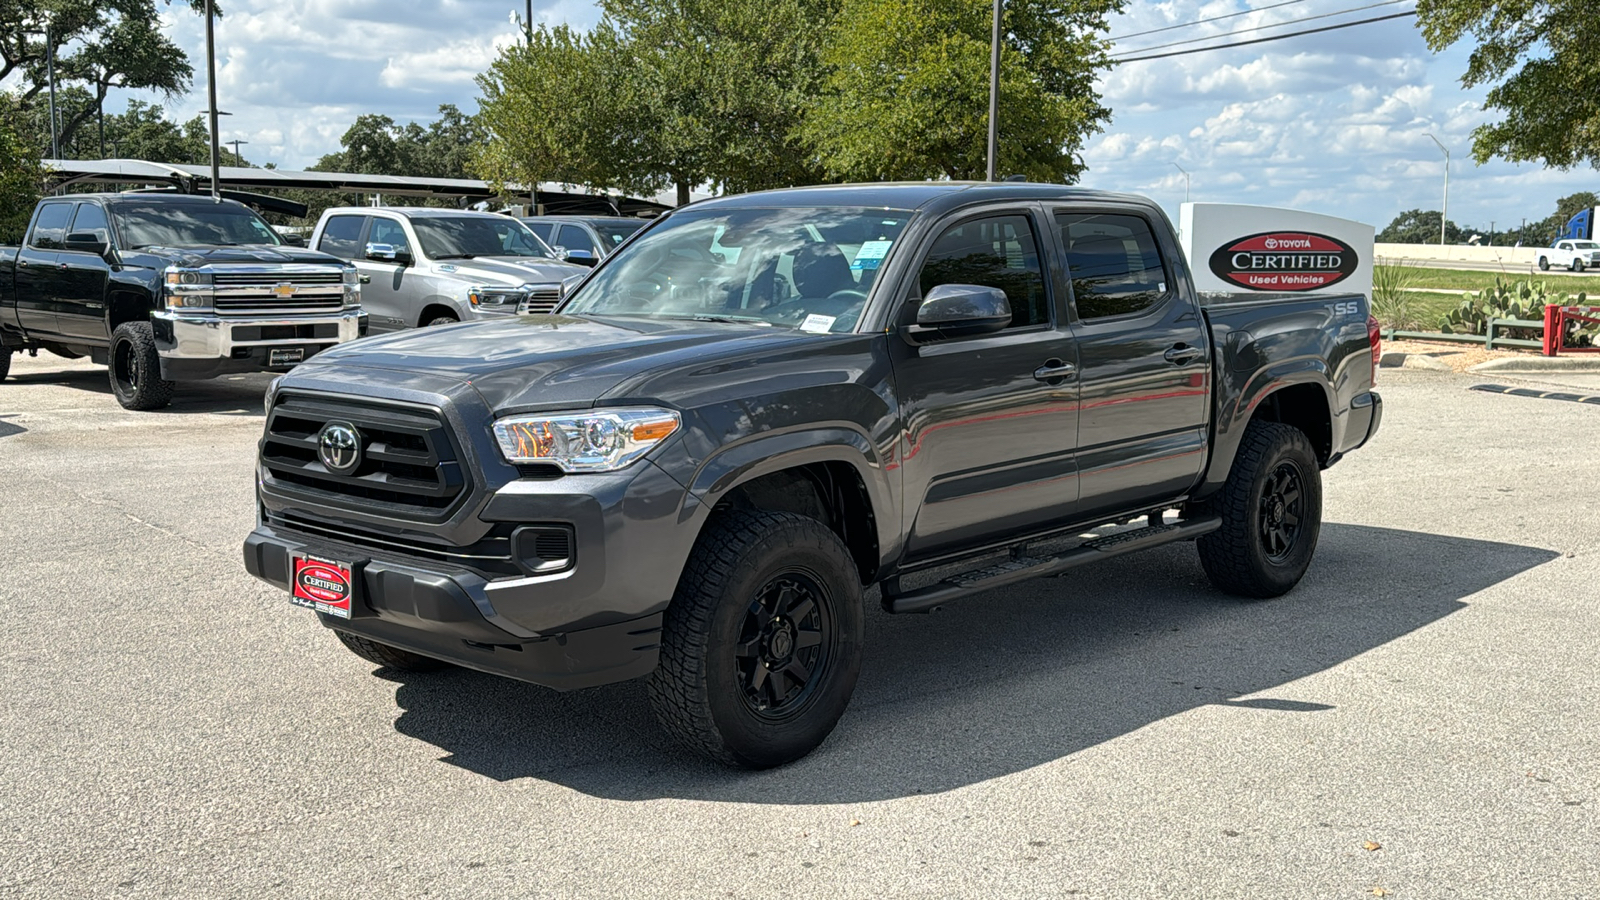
{"type": "Point", "coordinates": [737, 320]}
{"type": "Point", "coordinates": [457, 256]}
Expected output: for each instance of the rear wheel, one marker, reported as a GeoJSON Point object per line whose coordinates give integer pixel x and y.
{"type": "Point", "coordinates": [391, 657]}
{"type": "Point", "coordinates": [135, 368]}
{"type": "Point", "coordinates": [1544, 264]}
{"type": "Point", "coordinates": [5, 358]}
{"type": "Point", "coordinates": [761, 646]}
{"type": "Point", "coordinates": [1271, 509]}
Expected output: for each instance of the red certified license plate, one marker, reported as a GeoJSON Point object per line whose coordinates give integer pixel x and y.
{"type": "Point", "coordinates": [324, 585]}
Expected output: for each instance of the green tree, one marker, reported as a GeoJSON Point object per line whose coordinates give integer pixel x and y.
{"type": "Point", "coordinates": [1538, 55]}
{"type": "Point", "coordinates": [1417, 226]}
{"type": "Point", "coordinates": [660, 92]}
{"type": "Point", "coordinates": [21, 178]}
{"type": "Point", "coordinates": [908, 93]}
{"type": "Point", "coordinates": [98, 45]}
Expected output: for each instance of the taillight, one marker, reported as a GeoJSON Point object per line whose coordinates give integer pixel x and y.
{"type": "Point", "coordinates": [1376, 337]}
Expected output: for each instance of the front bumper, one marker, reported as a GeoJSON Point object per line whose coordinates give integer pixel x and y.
{"type": "Point", "coordinates": [204, 345]}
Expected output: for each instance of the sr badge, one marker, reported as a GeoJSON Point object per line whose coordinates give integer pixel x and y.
{"type": "Point", "coordinates": [339, 447]}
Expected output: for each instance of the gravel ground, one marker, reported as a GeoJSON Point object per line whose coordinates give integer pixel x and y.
{"type": "Point", "coordinates": [1417, 719]}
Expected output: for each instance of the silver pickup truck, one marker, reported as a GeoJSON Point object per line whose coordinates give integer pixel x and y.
{"type": "Point", "coordinates": [423, 266]}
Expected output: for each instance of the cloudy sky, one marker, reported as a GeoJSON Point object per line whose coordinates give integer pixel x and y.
{"type": "Point", "coordinates": [1333, 122]}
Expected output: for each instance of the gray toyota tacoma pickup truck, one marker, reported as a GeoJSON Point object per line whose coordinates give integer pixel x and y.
{"type": "Point", "coordinates": [764, 405]}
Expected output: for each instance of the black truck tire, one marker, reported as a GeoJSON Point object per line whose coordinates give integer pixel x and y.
{"type": "Point", "coordinates": [441, 319]}
{"type": "Point", "coordinates": [135, 368]}
{"type": "Point", "coordinates": [385, 655]}
{"type": "Point", "coordinates": [761, 647]}
{"type": "Point", "coordinates": [1271, 509]}
{"type": "Point", "coordinates": [5, 358]}
{"type": "Point", "coordinates": [1544, 264]}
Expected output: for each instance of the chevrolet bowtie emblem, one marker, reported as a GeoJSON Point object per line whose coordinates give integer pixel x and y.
{"type": "Point", "coordinates": [284, 289]}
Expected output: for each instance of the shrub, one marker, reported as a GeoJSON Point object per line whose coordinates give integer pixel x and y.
{"type": "Point", "coordinates": [1392, 304]}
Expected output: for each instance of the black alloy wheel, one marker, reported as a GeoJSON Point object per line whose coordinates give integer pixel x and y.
{"type": "Point", "coordinates": [135, 368]}
{"type": "Point", "coordinates": [1281, 510]}
{"type": "Point", "coordinates": [783, 644]}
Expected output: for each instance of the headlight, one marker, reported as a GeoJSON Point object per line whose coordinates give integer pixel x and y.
{"type": "Point", "coordinates": [599, 441]}
{"type": "Point", "coordinates": [351, 287]}
{"type": "Point", "coordinates": [188, 289]}
{"type": "Point", "coordinates": [352, 275]}
{"type": "Point", "coordinates": [494, 296]}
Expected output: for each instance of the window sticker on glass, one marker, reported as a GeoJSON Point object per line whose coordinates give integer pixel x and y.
{"type": "Point", "coordinates": [871, 255]}
{"type": "Point", "coordinates": [817, 324]}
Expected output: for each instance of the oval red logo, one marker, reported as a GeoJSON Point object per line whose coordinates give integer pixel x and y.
{"type": "Point", "coordinates": [1284, 261]}
{"type": "Point", "coordinates": [322, 582]}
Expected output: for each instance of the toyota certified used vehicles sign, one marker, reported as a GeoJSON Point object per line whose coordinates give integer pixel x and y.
{"type": "Point", "coordinates": [1284, 261]}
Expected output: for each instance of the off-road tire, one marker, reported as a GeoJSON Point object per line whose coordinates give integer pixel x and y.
{"type": "Point", "coordinates": [134, 367]}
{"type": "Point", "coordinates": [1237, 557]}
{"type": "Point", "coordinates": [444, 319]}
{"type": "Point", "coordinates": [1544, 264]}
{"type": "Point", "coordinates": [391, 657]}
{"type": "Point", "coordinates": [701, 692]}
{"type": "Point", "coordinates": [5, 358]}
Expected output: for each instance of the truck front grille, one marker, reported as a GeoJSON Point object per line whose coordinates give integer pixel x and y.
{"type": "Point", "coordinates": [278, 292]}
{"type": "Point", "coordinates": [408, 462]}
{"type": "Point", "coordinates": [540, 302]}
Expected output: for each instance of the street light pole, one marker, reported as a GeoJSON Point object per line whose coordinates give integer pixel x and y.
{"type": "Point", "coordinates": [211, 87]}
{"type": "Point", "coordinates": [994, 90]}
{"type": "Point", "coordinates": [1185, 182]}
{"type": "Point", "coordinates": [1444, 214]}
{"type": "Point", "coordinates": [236, 157]}
{"type": "Point", "coordinates": [528, 22]}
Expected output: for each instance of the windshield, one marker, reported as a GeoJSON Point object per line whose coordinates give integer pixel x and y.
{"type": "Point", "coordinates": [191, 225]}
{"type": "Point", "coordinates": [616, 234]}
{"type": "Point", "coordinates": [1585, 245]}
{"type": "Point", "coordinates": [805, 268]}
{"type": "Point", "coordinates": [463, 237]}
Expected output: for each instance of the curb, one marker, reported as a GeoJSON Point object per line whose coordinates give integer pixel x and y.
{"type": "Point", "coordinates": [1510, 365]}
{"type": "Point", "coordinates": [1593, 399]}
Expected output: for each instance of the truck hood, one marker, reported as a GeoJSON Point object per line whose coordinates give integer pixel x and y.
{"type": "Point", "coordinates": [250, 254]}
{"type": "Point", "coordinates": [506, 271]}
{"type": "Point", "coordinates": [525, 363]}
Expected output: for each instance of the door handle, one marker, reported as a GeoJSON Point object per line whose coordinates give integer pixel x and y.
{"type": "Point", "coordinates": [1182, 353]}
{"type": "Point", "coordinates": [1054, 369]}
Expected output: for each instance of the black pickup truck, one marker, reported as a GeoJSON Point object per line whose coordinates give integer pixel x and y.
{"type": "Point", "coordinates": [763, 405]}
{"type": "Point", "coordinates": [169, 287]}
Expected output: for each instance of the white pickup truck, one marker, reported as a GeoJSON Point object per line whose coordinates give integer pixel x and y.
{"type": "Point", "coordinates": [1572, 254]}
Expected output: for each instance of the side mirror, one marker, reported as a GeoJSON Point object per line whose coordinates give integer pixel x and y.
{"type": "Point", "coordinates": [580, 257]}
{"type": "Point", "coordinates": [959, 310]}
{"type": "Point", "coordinates": [388, 253]}
{"type": "Point", "coordinates": [294, 240]}
{"type": "Point", "coordinates": [85, 242]}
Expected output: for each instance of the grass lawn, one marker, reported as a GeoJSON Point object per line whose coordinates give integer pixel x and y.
{"type": "Point", "coordinates": [1458, 280]}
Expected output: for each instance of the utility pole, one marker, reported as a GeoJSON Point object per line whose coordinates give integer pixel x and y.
{"type": "Point", "coordinates": [528, 22]}
{"type": "Point", "coordinates": [50, 59]}
{"type": "Point", "coordinates": [211, 89]}
{"type": "Point", "coordinates": [1185, 182]}
{"type": "Point", "coordinates": [236, 157]}
{"type": "Point", "coordinates": [1444, 214]}
{"type": "Point", "coordinates": [994, 90]}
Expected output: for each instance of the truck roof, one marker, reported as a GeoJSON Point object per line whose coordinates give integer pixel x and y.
{"type": "Point", "coordinates": [143, 196]}
{"type": "Point", "coordinates": [916, 194]}
{"type": "Point", "coordinates": [411, 212]}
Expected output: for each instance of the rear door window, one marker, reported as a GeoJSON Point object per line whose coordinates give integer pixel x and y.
{"type": "Point", "coordinates": [1114, 263]}
{"type": "Point", "coordinates": [50, 227]}
{"type": "Point", "coordinates": [342, 236]}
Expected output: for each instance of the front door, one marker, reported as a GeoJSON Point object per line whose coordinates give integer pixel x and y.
{"type": "Point", "coordinates": [1145, 358]}
{"type": "Point", "coordinates": [989, 422]}
{"type": "Point", "coordinates": [384, 294]}
{"type": "Point", "coordinates": [81, 309]}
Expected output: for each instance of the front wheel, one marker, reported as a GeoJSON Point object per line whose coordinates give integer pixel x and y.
{"type": "Point", "coordinates": [1577, 265]}
{"type": "Point", "coordinates": [761, 646]}
{"type": "Point", "coordinates": [135, 368]}
{"type": "Point", "coordinates": [441, 319]}
{"type": "Point", "coordinates": [1271, 509]}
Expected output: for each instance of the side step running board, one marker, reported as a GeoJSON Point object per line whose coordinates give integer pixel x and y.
{"type": "Point", "coordinates": [1011, 571]}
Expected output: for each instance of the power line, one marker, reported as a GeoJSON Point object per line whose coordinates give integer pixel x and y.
{"type": "Point", "coordinates": [1282, 24]}
{"type": "Point", "coordinates": [1276, 37]}
{"type": "Point", "coordinates": [1204, 21]}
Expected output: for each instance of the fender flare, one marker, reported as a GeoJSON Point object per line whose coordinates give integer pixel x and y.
{"type": "Point", "coordinates": [1232, 421]}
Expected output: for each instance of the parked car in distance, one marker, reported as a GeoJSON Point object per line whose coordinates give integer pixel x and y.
{"type": "Point", "coordinates": [1576, 255]}
{"type": "Point", "coordinates": [584, 240]}
{"type": "Point", "coordinates": [422, 266]}
{"type": "Point", "coordinates": [163, 287]}
{"type": "Point", "coordinates": [766, 404]}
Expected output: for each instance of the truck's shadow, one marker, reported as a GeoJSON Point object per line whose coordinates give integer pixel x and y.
{"type": "Point", "coordinates": [998, 685]}
{"type": "Point", "coordinates": [228, 395]}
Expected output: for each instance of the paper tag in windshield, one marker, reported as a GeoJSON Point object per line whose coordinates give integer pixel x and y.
{"type": "Point", "coordinates": [871, 255]}
{"type": "Point", "coordinates": [817, 324]}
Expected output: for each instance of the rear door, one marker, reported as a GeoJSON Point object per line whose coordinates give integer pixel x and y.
{"type": "Point", "coordinates": [990, 421]}
{"type": "Point", "coordinates": [1144, 358]}
{"type": "Point", "coordinates": [81, 309]}
{"type": "Point", "coordinates": [39, 281]}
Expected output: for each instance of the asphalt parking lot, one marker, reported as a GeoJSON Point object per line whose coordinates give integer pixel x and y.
{"type": "Point", "coordinates": [1418, 719]}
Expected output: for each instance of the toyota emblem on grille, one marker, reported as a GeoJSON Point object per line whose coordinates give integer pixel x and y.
{"type": "Point", "coordinates": [284, 289]}
{"type": "Point", "coordinates": [339, 447]}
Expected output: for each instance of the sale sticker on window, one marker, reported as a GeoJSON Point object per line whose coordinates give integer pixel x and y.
{"type": "Point", "coordinates": [321, 584]}
{"type": "Point", "coordinates": [871, 255]}
{"type": "Point", "coordinates": [817, 324]}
